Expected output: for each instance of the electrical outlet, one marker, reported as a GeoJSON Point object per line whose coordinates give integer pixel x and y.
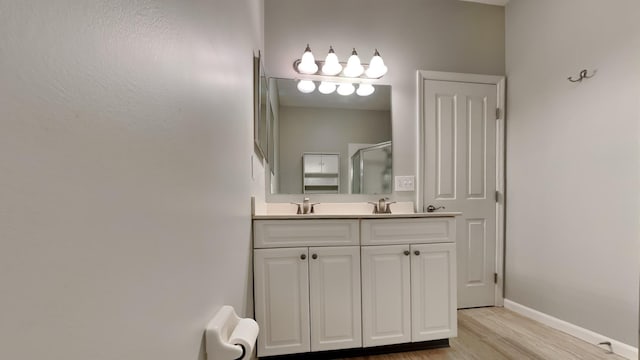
{"type": "Point", "coordinates": [405, 183]}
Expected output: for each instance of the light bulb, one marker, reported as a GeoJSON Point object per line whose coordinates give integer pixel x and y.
{"type": "Point", "coordinates": [326, 87]}
{"type": "Point", "coordinates": [376, 66]}
{"type": "Point", "coordinates": [306, 86]}
{"type": "Point", "coordinates": [365, 89]}
{"type": "Point", "coordinates": [331, 64]}
{"type": "Point", "coordinates": [307, 63]}
{"type": "Point", "coordinates": [353, 68]}
{"type": "Point", "coordinates": [346, 89]}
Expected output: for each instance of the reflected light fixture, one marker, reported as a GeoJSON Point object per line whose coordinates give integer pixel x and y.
{"type": "Point", "coordinates": [306, 86]}
{"type": "Point", "coordinates": [331, 64]}
{"type": "Point", "coordinates": [307, 63]}
{"type": "Point", "coordinates": [365, 89]}
{"type": "Point", "coordinates": [346, 89]}
{"type": "Point", "coordinates": [327, 87]}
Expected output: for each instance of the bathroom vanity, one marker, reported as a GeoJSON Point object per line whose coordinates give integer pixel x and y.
{"type": "Point", "coordinates": [359, 282]}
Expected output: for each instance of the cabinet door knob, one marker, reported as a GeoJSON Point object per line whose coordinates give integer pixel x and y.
{"type": "Point", "coordinates": [314, 256]}
{"type": "Point", "coordinates": [303, 256]}
{"type": "Point", "coordinates": [406, 252]}
{"type": "Point", "coordinates": [417, 252]}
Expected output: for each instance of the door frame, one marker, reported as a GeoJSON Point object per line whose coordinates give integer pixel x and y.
{"type": "Point", "coordinates": [500, 82]}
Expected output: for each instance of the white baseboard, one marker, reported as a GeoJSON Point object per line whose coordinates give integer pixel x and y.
{"type": "Point", "coordinates": [622, 349]}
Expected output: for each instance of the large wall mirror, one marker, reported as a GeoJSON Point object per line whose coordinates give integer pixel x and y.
{"type": "Point", "coordinates": [329, 144]}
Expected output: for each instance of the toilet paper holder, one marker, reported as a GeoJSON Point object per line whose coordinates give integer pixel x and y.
{"type": "Point", "coordinates": [222, 334]}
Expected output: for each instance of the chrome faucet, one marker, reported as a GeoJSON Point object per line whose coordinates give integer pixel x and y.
{"type": "Point", "coordinates": [382, 206]}
{"type": "Point", "coordinates": [305, 207]}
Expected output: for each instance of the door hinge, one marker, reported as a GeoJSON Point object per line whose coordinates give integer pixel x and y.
{"type": "Point", "coordinates": [498, 113]}
{"type": "Point", "coordinates": [495, 278]}
{"type": "Point", "coordinates": [497, 196]}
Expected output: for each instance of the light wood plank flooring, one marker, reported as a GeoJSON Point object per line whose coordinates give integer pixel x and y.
{"type": "Point", "coordinates": [497, 334]}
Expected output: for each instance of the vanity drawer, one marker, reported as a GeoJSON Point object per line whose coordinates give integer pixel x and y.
{"type": "Point", "coordinates": [295, 233]}
{"type": "Point", "coordinates": [408, 231]}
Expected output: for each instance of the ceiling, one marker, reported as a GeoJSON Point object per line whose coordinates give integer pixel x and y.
{"type": "Point", "coordinates": [490, 2]}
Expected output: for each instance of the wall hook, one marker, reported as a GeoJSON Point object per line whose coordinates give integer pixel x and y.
{"type": "Point", "coordinates": [582, 75]}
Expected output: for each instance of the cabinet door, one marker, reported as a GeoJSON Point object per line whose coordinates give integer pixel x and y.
{"type": "Point", "coordinates": [312, 163]}
{"type": "Point", "coordinates": [433, 291]}
{"type": "Point", "coordinates": [281, 279]}
{"type": "Point", "coordinates": [386, 311]}
{"type": "Point", "coordinates": [330, 164]}
{"type": "Point", "coordinates": [334, 280]}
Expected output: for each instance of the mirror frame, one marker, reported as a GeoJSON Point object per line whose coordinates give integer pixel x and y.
{"type": "Point", "coordinates": [259, 121]}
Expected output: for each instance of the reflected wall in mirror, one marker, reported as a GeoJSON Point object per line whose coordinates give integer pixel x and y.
{"type": "Point", "coordinates": [349, 126]}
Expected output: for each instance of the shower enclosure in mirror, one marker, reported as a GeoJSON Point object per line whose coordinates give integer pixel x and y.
{"type": "Point", "coordinates": [318, 123]}
{"type": "Point", "coordinates": [370, 169]}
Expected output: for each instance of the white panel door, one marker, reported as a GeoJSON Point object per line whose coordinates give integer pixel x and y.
{"type": "Point", "coordinates": [281, 279]}
{"type": "Point", "coordinates": [433, 292]}
{"type": "Point", "coordinates": [386, 291]}
{"type": "Point", "coordinates": [460, 174]}
{"type": "Point", "coordinates": [334, 280]}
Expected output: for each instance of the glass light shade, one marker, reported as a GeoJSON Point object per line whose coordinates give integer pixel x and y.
{"type": "Point", "coordinates": [354, 68]}
{"type": "Point", "coordinates": [346, 89]}
{"type": "Point", "coordinates": [326, 87]}
{"type": "Point", "coordinates": [331, 64]}
{"type": "Point", "coordinates": [365, 89]}
{"type": "Point", "coordinates": [306, 86]}
{"type": "Point", "coordinates": [376, 66]}
{"type": "Point", "coordinates": [307, 63]}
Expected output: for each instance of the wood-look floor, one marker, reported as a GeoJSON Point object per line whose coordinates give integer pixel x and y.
{"type": "Point", "coordinates": [497, 334]}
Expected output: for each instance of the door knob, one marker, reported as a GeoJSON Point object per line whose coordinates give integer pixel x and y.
{"type": "Point", "coordinates": [314, 256]}
{"type": "Point", "coordinates": [303, 256]}
{"type": "Point", "coordinates": [406, 252]}
{"type": "Point", "coordinates": [432, 208]}
{"type": "Point", "coordinates": [417, 252]}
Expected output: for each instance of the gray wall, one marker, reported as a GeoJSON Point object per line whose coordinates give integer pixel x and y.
{"type": "Point", "coordinates": [124, 215]}
{"type": "Point", "coordinates": [440, 35]}
{"type": "Point", "coordinates": [304, 129]}
{"type": "Point", "coordinates": [573, 167]}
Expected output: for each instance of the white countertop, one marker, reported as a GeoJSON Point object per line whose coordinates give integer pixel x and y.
{"type": "Point", "coordinates": [361, 210]}
{"type": "Point", "coordinates": [353, 216]}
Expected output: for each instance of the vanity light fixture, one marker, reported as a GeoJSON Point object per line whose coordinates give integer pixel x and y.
{"type": "Point", "coordinates": [332, 74]}
{"type": "Point", "coordinates": [354, 68]}
{"type": "Point", "coordinates": [307, 63]}
{"type": "Point", "coordinates": [331, 64]}
{"type": "Point", "coordinates": [377, 67]}
{"type": "Point", "coordinates": [332, 67]}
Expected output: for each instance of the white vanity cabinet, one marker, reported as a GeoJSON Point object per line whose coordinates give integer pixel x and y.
{"type": "Point", "coordinates": [329, 284]}
{"type": "Point", "coordinates": [408, 280]}
{"type": "Point", "coordinates": [307, 298]}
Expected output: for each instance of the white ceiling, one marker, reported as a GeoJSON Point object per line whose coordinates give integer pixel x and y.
{"type": "Point", "coordinates": [490, 2]}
